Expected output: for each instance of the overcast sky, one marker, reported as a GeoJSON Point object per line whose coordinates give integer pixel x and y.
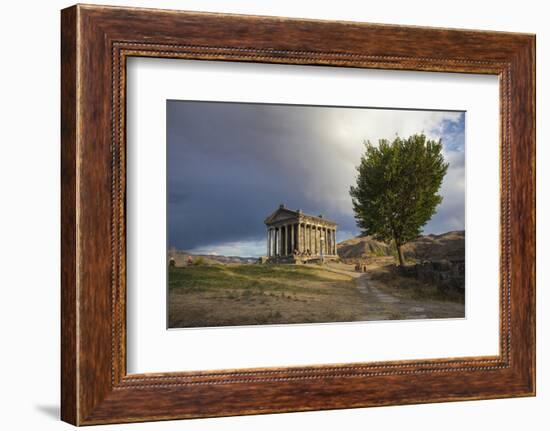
{"type": "Point", "coordinates": [230, 165]}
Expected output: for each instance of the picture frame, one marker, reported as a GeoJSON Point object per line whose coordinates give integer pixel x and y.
{"type": "Point", "coordinates": [96, 41]}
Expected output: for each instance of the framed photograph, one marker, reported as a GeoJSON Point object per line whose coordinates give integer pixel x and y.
{"type": "Point", "coordinates": [263, 214]}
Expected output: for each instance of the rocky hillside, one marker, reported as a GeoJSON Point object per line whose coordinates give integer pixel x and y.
{"type": "Point", "coordinates": [449, 246]}
{"type": "Point", "coordinates": [362, 246]}
{"type": "Point", "coordinates": [431, 247]}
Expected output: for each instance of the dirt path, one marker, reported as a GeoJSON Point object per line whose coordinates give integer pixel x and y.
{"type": "Point", "coordinates": [385, 306]}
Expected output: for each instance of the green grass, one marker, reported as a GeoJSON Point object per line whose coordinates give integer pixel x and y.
{"type": "Point", "coordinates": [200, 278]}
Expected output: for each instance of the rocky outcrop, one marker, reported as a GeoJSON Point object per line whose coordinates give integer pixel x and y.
{"type": "Point", "coordinates": [447, 274]}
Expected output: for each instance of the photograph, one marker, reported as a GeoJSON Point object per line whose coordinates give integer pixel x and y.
{"type": "Point", "coordinates": [284, 214]}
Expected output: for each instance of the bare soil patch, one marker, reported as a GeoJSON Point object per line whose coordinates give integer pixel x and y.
{"type": "Point", "coordinates": [228, 295]}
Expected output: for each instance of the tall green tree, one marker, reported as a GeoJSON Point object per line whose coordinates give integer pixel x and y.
{"type": "Point", "coordinates": [397, 188]}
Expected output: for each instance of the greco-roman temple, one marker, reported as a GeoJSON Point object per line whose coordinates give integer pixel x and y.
{"type": "Point", "coordinates": [296, 237]}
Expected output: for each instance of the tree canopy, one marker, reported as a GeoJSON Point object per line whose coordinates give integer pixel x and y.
{"type": "Point", "coordinates": [397, 188]}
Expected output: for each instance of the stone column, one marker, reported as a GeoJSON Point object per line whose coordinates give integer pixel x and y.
{"type": "Point", "coordinates": [311, 239]}
{"type": "Point", "coordinates": [299, 236]}
{"type": "Point", "coordinates": [287, 235]}
{"type": "Point", "coordinates": [303, 228]}
{"type": "Point", "coordinates": [268, 241]}
{"type": "Point", "coordinates": [289, 239]}
{"type": "Point", "coordinates": [279, 241]}
{"type": "Point", "coordinates": [319, 234]}
{"type": "Point", "coordinates": [298, 232]}
{"type": "Point", "coordinates": [321, 242]}
{"type": "Point", "coordinates": [305, 237]}
{"type": "Point", "coordinates": [311, 249]}
{"type": "Point", "coordinates": [303, 240]}
{"type": "Point", "coordinates": [292, 239]}
{"type": "Point", "coordinates": [334, 248]}
{"type": "Point", "coordinates": [316, 239]}
{"type": "Point", "coordinates": [327, 242]}
{"type": "Point", "coordinates": [282, 247]}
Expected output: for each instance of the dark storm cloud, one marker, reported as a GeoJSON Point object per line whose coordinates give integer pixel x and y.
{"type": "Point", "coordinates": [231, 165]}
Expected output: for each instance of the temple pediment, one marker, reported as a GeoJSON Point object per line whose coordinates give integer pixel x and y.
{"type": "Point", "coordinates": [287, 215]}
{"type": "Point", "coordinates": [280, 214]}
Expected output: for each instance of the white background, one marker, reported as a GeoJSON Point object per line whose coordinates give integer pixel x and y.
{"type": "Point", "coordinates": [29, 216]}
{"type": "Point", "coordinates": [151, 348]}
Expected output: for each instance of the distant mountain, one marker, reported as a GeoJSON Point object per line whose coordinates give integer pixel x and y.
{"type": "Point", "coordinates": [448, 246]}
{"type": "Point", "coordinates": [182, 258]}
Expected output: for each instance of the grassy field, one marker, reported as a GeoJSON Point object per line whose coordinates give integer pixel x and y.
{"type": "Point", "coordinates": [241, 294]}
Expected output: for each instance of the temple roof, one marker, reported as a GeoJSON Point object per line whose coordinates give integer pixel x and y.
{"type": "Point", "coordinates": [283, 213]}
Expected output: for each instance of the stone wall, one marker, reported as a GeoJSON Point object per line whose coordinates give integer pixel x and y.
{"type": "Point", "coordinates": [448, 274]}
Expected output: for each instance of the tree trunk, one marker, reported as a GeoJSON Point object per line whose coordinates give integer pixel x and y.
{"type": "Point", "coordinates": [400, 254]}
